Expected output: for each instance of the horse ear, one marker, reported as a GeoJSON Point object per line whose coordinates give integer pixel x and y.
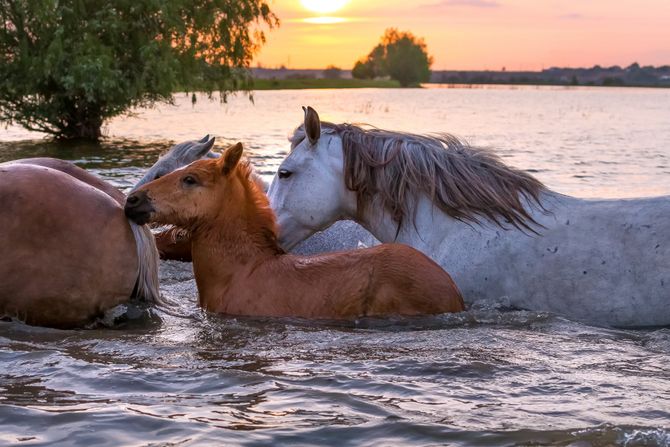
{"type": "Point", "coordinates": [203, 147]}
{"type": "Point", "coordinates": [204, 139]}
{"type": "Point", "coordinates": [230, 158]}
{"type": "Point", "coordinates": [312, 125]}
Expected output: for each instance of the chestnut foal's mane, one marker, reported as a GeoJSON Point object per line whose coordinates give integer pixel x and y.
{"type": "Point", "coordinates": [261, 224]}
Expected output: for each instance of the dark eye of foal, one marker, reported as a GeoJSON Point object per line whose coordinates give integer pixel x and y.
{"type": "Point", "coordinates": [284, 173]}
{"type": "Point", "coordinates": [189, 180]}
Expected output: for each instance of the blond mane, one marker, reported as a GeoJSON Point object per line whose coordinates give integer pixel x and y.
{"type": "Point", "coordinates": [465, 182]}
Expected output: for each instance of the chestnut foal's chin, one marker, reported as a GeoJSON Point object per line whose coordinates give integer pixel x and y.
{"type": "Point", "coordinates": [240, 269]}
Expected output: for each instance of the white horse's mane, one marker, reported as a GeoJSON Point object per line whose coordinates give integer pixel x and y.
{"type": "Point", "coordinates": [465, 182]}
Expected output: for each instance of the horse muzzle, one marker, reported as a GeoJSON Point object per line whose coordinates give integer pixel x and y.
{"type": "Point", "coordinates": [138, 207]}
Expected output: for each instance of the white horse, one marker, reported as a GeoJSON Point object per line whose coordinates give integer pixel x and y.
{"type": "Point", "coordinates": [498, 231]}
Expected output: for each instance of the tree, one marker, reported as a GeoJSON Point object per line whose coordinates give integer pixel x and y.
{"type": "Point", "coordinates": [374, 66]}
{"type": "Point", "coordinates": [332, 72]}
{"type": "Point", "coordinates": [68, 65]}
{"type": "Point", "coordinates": [400, 55]}
{"type": "Point", "coordinates": [363, 70]}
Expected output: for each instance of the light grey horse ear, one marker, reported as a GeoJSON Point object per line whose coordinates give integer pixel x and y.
{"type": "Point", "coordinates": [204, 139]}
{"type": "Point", "coordinates": [312, 125]}
{"type": "Point", "coordinates": [202, 149]}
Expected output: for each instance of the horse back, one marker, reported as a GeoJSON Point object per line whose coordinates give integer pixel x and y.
{"type": "Point", "coordinates": [409, 281]}
{"type": "Point", "coordinates": [75, 171]}
{"type": "Point", "coordinates": [388, 279]}
{"type": "Point", "coordinates": [68, 249]}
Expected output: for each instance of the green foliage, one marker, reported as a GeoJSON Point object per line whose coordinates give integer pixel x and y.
{"type": "Point", "coordinates": [68, 65]}
{"type": "Point", "coordinates": [363, 70]}
{"type": "Point", "coordinates": [332, 72]}
{"type": "Point", "coordinates": [400, 55]}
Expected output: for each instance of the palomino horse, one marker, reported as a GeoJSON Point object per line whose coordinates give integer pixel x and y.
{"type": "Point", "coordinates": [69, 253]}
{"type": "Point", "coordinates": [497, 230]}
{"type": "Point", "coordinates": [240, 269]}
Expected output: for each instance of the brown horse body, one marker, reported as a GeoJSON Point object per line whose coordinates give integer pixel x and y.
{"type": "Point", "coordinates": [240, 269]}
{"type": "Point", "coordinates": [68, 250]}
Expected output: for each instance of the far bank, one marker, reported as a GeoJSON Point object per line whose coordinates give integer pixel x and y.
{"type": "Point", "coordinates": [631, 76]}
{"type": "Point", "coordinates": [322, 83]}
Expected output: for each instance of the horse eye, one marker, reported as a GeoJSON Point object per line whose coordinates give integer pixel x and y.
{"type": "Point", "coordinates": [189, 180]}
{"type": "Point", "coordinates": [284, 173]}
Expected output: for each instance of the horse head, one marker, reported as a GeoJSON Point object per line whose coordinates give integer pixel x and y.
{"type": "Point", "coordinates": [308, 193]}
{"type": "Point", "coordinates": [188, 196]}
{"type": "Point", "coordinates": [179, 156]}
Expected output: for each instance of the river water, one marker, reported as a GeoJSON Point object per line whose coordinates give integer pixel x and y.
{"type": "Point", "coordinates": [489, 376]}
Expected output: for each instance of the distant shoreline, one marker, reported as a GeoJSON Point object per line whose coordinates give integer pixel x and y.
{"type": "Point", "coordinates": [306, 84]}
{"type": "Point", "coordinates": [321, 83]}
{"type": "Point", "coordinates": [615, 76]}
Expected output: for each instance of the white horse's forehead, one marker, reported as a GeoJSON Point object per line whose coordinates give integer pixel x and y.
{"type": "Point", "coordinates": [298, 154]}
{"type": "Point", "coordinates": [303, 152]}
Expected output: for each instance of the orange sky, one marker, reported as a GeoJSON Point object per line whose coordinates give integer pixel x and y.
{"type": "Point", "coordinates": [478, 34]}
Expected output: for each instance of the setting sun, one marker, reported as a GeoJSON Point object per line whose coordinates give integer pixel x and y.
{"type": "Point", "coordinates": [323, 6]}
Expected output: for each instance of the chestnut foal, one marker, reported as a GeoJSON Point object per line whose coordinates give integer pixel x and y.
{"type": "Point", "coordinates": [240, 269]}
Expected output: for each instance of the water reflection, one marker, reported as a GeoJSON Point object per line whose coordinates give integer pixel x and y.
{"type": "Point", "coordinates": [489, 376]}
{"type": "Point", "coordinates": [588, 142]}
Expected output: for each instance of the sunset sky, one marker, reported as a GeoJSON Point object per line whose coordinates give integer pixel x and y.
{"type": "Point", "coordinates": [474, 34]}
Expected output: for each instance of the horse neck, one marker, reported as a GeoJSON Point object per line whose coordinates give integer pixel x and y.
{"type": "Point", "coordinates": [430, 226]}
{"type": "Point", "coordinates": [381, 224]}
{"type": "Point", "coordinates": [239, 237]}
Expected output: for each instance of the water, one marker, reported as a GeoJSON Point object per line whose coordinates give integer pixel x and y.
{"type": "Point", "coordinates": [490, 376]}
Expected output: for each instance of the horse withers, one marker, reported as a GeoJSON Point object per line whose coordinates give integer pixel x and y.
{"type": "Point", "coordinates": [69, 253]}
{"type": "Point", "coordinates": [240, 269]}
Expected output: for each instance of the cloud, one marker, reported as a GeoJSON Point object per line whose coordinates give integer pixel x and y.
{"type": "Point", "coordinates": [464, 3]}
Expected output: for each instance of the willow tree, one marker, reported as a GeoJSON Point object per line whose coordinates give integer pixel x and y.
{"type": "Point", "coordinates": [66, 66]}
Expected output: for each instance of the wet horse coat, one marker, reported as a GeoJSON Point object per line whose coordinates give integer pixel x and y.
{"type": "Point", "coordinates": [240, 269]}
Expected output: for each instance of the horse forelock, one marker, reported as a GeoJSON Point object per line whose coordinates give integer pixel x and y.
{"type": "Point", "coordinates": [465, 182]}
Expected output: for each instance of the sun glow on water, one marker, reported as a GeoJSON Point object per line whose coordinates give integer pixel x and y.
{"type": "Point", "coordinates": [323, 6]}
